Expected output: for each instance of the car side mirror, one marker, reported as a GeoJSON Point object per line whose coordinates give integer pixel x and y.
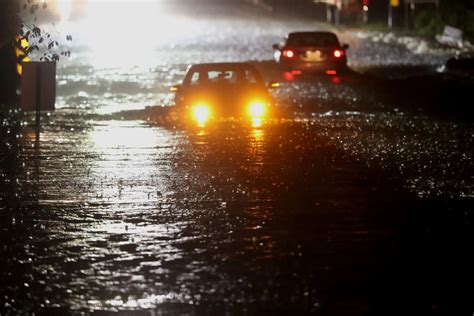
{"type": "Point", "coordinates": [175, 88]}
{"type": "Point", "coordinates": [345, 46]}
{"type": "Point", "coordinates": [273, 84]}
{"type": "Point", "coordinates": [276, 46]}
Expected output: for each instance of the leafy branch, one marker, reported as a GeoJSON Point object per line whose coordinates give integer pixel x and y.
{"type": "Point", "coordinates": [39, 40]}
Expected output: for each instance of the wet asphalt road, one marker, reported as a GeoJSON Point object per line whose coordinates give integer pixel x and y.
{"type": "Point", "coordinates": [286, 218]}
{"type": "Point", "coordinates": [357, 201]}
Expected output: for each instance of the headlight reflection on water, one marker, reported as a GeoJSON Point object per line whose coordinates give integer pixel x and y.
{"type": "Point", "coordinates": [124, 135]}
{"type": "Point", "coordinates": [257, 135]}
{"type": "Point", "coordinates": [127, 169]}
{"type": "Point", "coordinates": [257, 122]}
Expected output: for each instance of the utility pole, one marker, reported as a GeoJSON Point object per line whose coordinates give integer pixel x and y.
{"type": "Point", "coordinates": [391, 4]}
{"type": "Point", "coordinates": [328, 13]}
{"type": "Point", "coordinates": [405, 10]}
{"type": "Point", "coordinates": [390, 15]}
{"type": "Point", "coordinates": [337, 13]}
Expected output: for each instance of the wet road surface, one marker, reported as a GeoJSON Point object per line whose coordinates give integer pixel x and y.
{"type": "Point", "coordinates": [357, 201]}
{"type": "Point", "coordinates": [278, 219]}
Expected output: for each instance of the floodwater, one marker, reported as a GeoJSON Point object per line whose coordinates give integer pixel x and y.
{"type": "Point", "coordinates": [357, 201]}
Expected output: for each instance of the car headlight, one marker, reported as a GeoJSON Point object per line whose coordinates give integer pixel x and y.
{"type": "Point", "coordinates": [201, 113]}
{"type": "Point", "coordinates": [257, 109]}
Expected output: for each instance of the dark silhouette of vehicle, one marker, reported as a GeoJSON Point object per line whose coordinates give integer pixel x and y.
{"type": "Point", "coordinates": [313, 52]}
{"type": "Point", "coordinates": [462, 62]}
{"type": "Point", "coordinates": [223, 90]}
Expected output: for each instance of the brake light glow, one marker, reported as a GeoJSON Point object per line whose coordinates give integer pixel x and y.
{"type": "Point", "coordinates": [338, 53]}
{"type": "Point", "coordinates": [336, 80]}
{"type": "Point", "coordinates": [288, 75]}
{"type": "Point", "coordinates": [331, 72]}
{"type": "Point", "coordinates": [288, 53]}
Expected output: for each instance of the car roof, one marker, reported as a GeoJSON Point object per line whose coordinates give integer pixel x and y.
{"type": "Point", "coordinates": [238, 67]}
{"type": "Point", "coordinates": [312, 38]}
{"type": "Point", "coordinates": [312, 33]}
{"type": "Point", "coordinates": [220, 66]}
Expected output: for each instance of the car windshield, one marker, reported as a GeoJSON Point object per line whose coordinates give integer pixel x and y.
{"type": "Point", "coordinates": [312, 39]}
{"type": "Point", "coordinates": [234, 75]}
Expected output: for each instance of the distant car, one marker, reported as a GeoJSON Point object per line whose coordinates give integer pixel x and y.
{"type": "Point", "coordinates": [316, 52]}
{"type": "Point", "coordinates": [223, 90]}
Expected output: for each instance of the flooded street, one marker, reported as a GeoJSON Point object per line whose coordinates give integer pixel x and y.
{"type": "Point", "coordinates": [357, 200]}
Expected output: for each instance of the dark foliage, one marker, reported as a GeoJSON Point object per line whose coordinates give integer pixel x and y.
{"type": "Point", "coordinates": [19, 22]}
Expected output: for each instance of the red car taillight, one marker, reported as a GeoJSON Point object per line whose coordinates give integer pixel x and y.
{"type": "Point", "coordinates": [288, 53]}
{"type": "Point", "coordinates": [338, 53]}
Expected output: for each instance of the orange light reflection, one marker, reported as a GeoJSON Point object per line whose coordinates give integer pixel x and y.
{"type": "Point", "coordinates": [257, 122]}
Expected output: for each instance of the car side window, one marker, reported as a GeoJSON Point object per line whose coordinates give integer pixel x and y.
{"type": "Point", "coordinates": [224, 76]}
{"type": "Point", "coordinates": [249, 76]}
{"type": "Point", "coordinates": [194, 79]}
{"type": "Point", "coordinates": [231, 76]}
